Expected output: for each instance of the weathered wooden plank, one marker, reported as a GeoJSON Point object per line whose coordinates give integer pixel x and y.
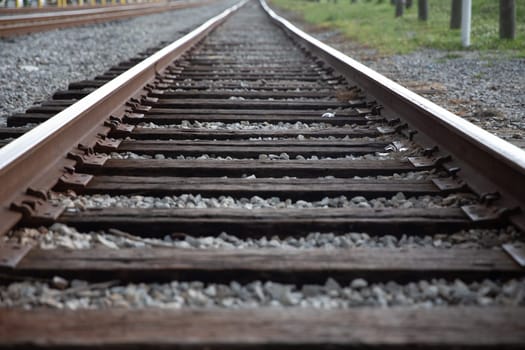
{"type": "Point", "coordinates": [170, 148]}
{"type": "Point", "coordinates": [76, 94]}
{"type": "Point", "coordinates": [247, 112]}
{"type": "Point", "coordinates": [249, 61]}
{"type": "Point", "coordinates": [223, 134]}
{"type": "Point", "coordinates": [336, 143]}
{"type": "Point", "coordinates": [282, 74]}
{"type": "Point", "coordinates": [21, 119]}
{"type": "Point", "coordinates": [59, 102]}
{"type": "Point", "coordinates": [259, 56]}
{"type": "Point", "coordinates": [236, 72]}
{"type": "Point", "coordinates": [221, 55]}
{"type": "Point", "coordinates": [12, 132]}
{"type": "Point", "coordinates": [269, 221]}
{"type": "Point", "coordinates": [282, 265]}
{"type": "Point", "coordinates": [238, 167]}
{"type": "Point", "coordinates": [285, 85]}
{"type": "Point", "coordinates": [226, 61]}
{"type": "Point", "coordinates": [241, 67]}
{"type": "Point", "coordinates": [45, 109]}
{"type": "Point", "coordinates": [234, 117]}
{"type": "Point", "coordinates": [288, 328]}
{"type": "Point", "coordinates": [249, 104]}
{"type": "Point", "coordinates": [85, 84]}
{"type": "Point", "coordinates": [306, 189]}
{"type": "Point", "coordinates": [245, 94]}
{"type": "Point", "coordinates": [272, 78]}
{"type": "Point", "coordinates": [219, 70]}
{"type": "Point", "coordinates": [280, 84]}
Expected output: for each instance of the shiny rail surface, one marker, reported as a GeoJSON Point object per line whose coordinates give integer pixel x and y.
{"type": "Point", "coordinates": [491, 163]}
{"type": "Point", "coordinates": [36, 150]}
{"type": "Point", "coordinates": [249, 107]}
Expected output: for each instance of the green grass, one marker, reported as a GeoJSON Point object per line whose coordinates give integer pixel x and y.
{"type": "Point", "coordinates": [375, 25]}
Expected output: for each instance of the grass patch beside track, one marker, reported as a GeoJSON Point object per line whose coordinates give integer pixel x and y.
{"type": "Point", "coordinates": [374, 25]}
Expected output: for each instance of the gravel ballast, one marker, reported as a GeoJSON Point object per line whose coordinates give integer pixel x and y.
{"type": "Point", "coordinates": [61, 294]}
{"type": "Point", "coordinates": [35, 66]}
{"type": "Point", "coordinates": [79, 203]}
{"type": "Point", "coordinates": [282, 156]}
{"type": "Point", "coordinates": [242, 125]}
{"type": "Point", "coordinates": [484, 87]}
{"type": "Point", "coordinates": [63, 236]}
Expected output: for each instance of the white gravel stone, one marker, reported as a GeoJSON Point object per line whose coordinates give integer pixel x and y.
{"type": "Point", "coordinates": [242, 125]}
{"type": "Point", "coordinates": [82, 202]}
{"type": "Point", "coordinates": [402, 156]}
{"type": "Point", "coordinates": [55, 237]}
{"type": "Point", "coordinates": [331, 295]}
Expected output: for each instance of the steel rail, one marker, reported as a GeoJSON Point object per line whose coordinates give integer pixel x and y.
{"type": "Point", "coordinates": [24, 24]}
{"type": "Point", "coordinates": [78, 12]}
{"type": "Point", "coordinates": [31, 160]}
{"type": "Point", "coordinates": [11, 11]}
{"type": "Point", "coordinates": [490, 163]}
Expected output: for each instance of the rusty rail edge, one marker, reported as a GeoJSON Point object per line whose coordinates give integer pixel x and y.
{"type": "Point", "coordinates": [490, 163]}
{"type": "Point", "coordinates": [12, 11]}
{"type": "Point", "coordinates": [75, 12]}
{"type": "Point", "coordinates": [34, 160]}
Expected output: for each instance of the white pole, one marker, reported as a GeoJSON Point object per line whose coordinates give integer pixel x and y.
{"type": "Point", "coordinates": [466, 14]}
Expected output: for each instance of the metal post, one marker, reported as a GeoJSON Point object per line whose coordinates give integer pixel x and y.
{"type": "Point", "coordinates": [466, 14]}
{"type": "Point", "coordinates": [455, 15]}
{"type": "Point", "coordinates": [507, 19]}
{"type": "Point", "coordinates": [422, 10]}
{"type": "Point", "coordinates": [400, 5]}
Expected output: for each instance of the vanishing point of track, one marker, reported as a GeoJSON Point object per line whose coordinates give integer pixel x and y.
{"type": "Point", "coordinates": [315, 124]}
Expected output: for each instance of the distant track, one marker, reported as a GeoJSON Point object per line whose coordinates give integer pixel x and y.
{"type": "Point", "coordinates": [7, 11]}
{"type": "Point", "coordinates": [18, 24]}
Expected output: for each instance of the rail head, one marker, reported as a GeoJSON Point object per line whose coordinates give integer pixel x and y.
{"type": "Point", "coordinates": [490, 163]}
{"type": "Point", "coordinates": [28, 159]}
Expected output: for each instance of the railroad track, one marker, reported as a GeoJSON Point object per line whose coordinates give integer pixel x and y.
{"type": "Point", "coordinates": [8, 11]}
{"type": "Point", "coordinates": [246, 187]}
{"type": "Point", "coordinates": [18, 24]}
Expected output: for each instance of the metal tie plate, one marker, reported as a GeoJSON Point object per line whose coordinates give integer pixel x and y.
{"type": "Point", "coordinates": [516, 251]}
{"type": "Point", "coordinates": [12, 253]}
